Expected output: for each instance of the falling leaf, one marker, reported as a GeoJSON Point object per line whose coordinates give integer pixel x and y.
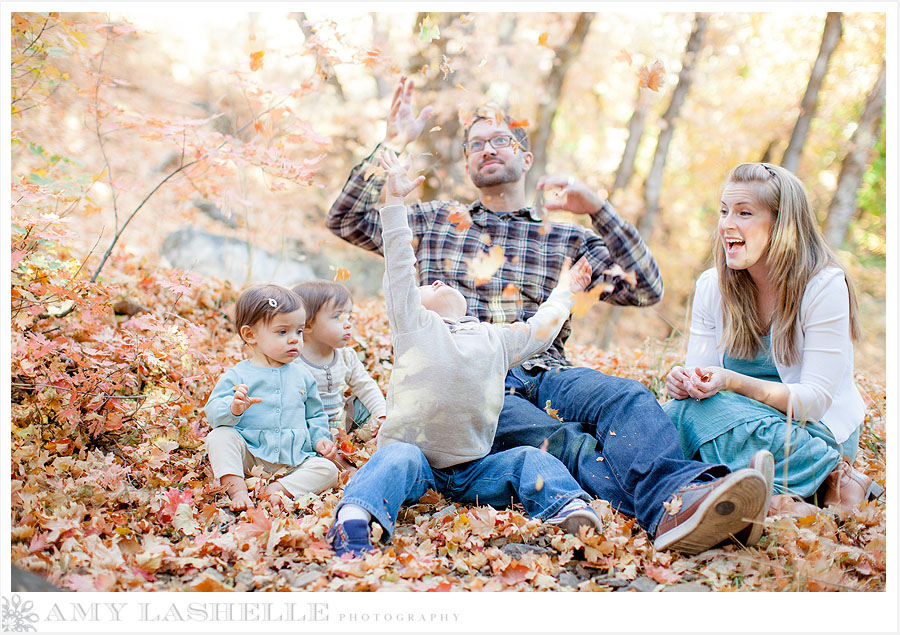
{"type": "Point", "coordinates": [341, 274]}
{"type": "Point", "coordinates": [256, 60]}
{"type": "Point", "coordinates": [546, 443]}
{"type": "Point", "coordinates": [624, 56]}
{"type": "Point", "coordinates": [373, 169]}
{"type": "Point", "coordinates": [429, 30]}
{"type": "Point", "coordinates": [673, 506]}
{"type": "Point", "coordinates": [652, 78]}
{"type": "Point", "coordinates": [552, 411]}
{"type": "Point", "coordinates": [460, 217]}
{"type": "Point", "coordinates": [518, 123]}
{"type": "Point", "coordinates": [542, 39]}
{"type": "Point", "coordinates": [445, 66]}
{"type": "Point", "coordinates": [612, 434]}
{"type": "Point", "coordinates": [584, 300]}
{"type": "Point", "coordinates": [435, 129]}
{"type": "Point", "coordinates": [510, 291]}
{"type": "Point", "coordinates": [483, 266]}
{"type": "Point", "coordinates": [539, 484]}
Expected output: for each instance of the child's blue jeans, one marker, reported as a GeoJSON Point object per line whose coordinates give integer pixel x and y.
{"type": "Point", "coordinates": [399, 473]}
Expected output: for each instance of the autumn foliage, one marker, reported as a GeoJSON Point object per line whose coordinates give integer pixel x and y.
{"type": "Point", "coordinates": [113, 356]}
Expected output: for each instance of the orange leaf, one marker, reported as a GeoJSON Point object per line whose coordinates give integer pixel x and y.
{"type": "Point", "coordinates": [256, 60]}
{"type": "Point", "coordinates": [542, 39]}
{"type": "Point", "coordinates": [661, 574]}
{"type": "Point", "coordinates": [652, 78]}
{"type": "Point", "coordinates": [519, 123]}
{"type": "Point", "coordinates": [485, 265]}
{"type": "Point", "coordinates": [624, 56]}
{"type": "Point", "coordinates": [210, 585]}
{"type": "Point", "coordinates": [514, 573]}
{"type": "Point", "coordinates": [460, 217]}
{"type": "Point", "coordinates": [553, 412]}
{"type": "Point", "coordinates": [584, 300]}
{"type": "Point", "coordinates": [341, 274]}
{"type": "Point", "coordinates": [511, 291]}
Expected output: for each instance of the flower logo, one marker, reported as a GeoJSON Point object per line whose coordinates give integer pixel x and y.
{"type": "Point", "coordinates": [18, 616]}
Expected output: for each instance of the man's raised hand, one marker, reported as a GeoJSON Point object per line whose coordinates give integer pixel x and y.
{"type": "Point", "coordinates": [574, 196]}
{"type": "Point", "coordinates": [577, 277]}
{"type": "Point", "coordinates": [402, 126]}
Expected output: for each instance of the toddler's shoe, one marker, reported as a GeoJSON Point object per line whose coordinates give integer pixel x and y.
{"type": "Point", "coordinates": [351, 537]}
{"type": "Point", "coordinates": [576, 513]}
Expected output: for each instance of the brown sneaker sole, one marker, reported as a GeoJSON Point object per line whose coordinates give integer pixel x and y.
{"type": "Point", "coordinates": [724, 513]}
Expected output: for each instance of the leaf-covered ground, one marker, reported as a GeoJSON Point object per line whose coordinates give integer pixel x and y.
{"type": "Point", "coordinates": [111, 490]}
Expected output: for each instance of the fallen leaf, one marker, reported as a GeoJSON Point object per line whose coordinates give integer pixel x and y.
{"type": "Point", "coordinates": [553, 412]}
{"type": "Point", "coordinates": [673, 506]}
{"type": "Point", "coordinates": [661, 574]}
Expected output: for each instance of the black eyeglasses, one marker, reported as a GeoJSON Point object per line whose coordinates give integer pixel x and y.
{"type": "Point", "coordinates": [477, 145]}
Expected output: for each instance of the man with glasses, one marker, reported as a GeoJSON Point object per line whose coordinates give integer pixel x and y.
{"type": "Point", "coordinates": [609, 432]}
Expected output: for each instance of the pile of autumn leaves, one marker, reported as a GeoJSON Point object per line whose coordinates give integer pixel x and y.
{"type": "Point", "coordinates": [111, 491]}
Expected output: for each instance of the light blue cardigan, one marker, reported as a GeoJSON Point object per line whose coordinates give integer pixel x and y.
{"type": "Point", "coordinates": [285, 427]}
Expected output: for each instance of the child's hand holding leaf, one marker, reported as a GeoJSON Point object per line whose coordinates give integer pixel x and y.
{"type": "Point", "coordinates": [242, 400]}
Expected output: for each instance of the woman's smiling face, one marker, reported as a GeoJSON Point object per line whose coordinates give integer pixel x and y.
{"type": "Point", "coordinates": [745, 225]}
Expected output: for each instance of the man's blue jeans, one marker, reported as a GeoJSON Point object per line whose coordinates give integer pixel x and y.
{"type": "Point", "coordinates": [614, 438]}
{"type": "Point", "coordinates": [399, 473]}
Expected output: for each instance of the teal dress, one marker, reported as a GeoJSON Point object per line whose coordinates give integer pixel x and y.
{"type": "Point", "coordinates": [729, 428]}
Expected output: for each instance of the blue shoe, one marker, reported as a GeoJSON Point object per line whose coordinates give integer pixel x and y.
{"type": "Point", "coordinates": [575, 514]}
{"type": "Point", "coordinates": [350, 537]}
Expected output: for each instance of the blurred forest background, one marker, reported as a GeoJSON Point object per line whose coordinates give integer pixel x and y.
{"type": "Point", "coordinates": [250, 122]}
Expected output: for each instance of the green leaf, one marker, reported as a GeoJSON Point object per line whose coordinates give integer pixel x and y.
{"type": "Point", "coordinates": [430, 31]}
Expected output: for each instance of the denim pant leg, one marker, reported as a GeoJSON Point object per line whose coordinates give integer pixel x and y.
{"type": "Point", "coordinates": [614, 438]}
{"type": "Point", "coordinates": [395, 474]}
{"type": "Point", "coordinates": [500, 478]}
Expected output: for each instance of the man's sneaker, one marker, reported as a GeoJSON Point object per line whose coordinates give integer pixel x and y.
{"type": "Point", "coordinates": [576, 513]}
{"type": "Point", "coordinates": [351, 537]}
{"type": "Point", "coordinates": [764, 463]}
{"type": "Point", "coordinates": [711, 512]}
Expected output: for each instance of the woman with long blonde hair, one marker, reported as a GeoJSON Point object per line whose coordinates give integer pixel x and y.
{"type": "Point", "coordinates": [769, 361]}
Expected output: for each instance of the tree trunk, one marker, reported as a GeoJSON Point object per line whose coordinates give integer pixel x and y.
{"type": "Point", "coordinates": [653, 183]}
{"type": "Point", "coordinates": [635, 132]}
{"type": "Point", "coordinates": [843, 205]}
{"type": "Point", "coordinates": [326, 70]}
{"type": "Point", "coordinates": [565, 55]}
{"type": "Point", "coordinates": [830, 39]}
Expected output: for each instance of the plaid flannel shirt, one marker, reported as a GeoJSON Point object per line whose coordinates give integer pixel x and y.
{"type": "Point", "coordinates": [534, 256]}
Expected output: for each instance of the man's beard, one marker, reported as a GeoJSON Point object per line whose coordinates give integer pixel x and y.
{"type": "Point", "coordinates": [510, 173]}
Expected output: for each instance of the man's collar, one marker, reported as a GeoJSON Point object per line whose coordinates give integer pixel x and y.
{"type": "Point", "coordinates": [524, 212]}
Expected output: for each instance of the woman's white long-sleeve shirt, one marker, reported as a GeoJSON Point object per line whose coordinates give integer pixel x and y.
{"type": "Point", "coordinates": [821, 385]}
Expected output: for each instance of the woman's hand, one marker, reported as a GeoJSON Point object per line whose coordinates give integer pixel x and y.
{"type": "Point", "coordinates": [242, 400]}
{"type": "Point", "coordinates": [704, 383]}
{"type": "Point", "coordinates": [675, 383]}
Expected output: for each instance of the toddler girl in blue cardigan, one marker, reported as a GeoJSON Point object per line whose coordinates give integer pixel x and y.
{"type": "Point", "coordinates": [267, 411]}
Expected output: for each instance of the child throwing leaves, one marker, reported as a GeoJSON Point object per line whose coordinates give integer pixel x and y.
{"type": "Point", "coordinates": [336, 367]}
{"type": "Point", "coordinates": [444, 399]}
{"type": "Point", "coordinates": [265, 410]}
